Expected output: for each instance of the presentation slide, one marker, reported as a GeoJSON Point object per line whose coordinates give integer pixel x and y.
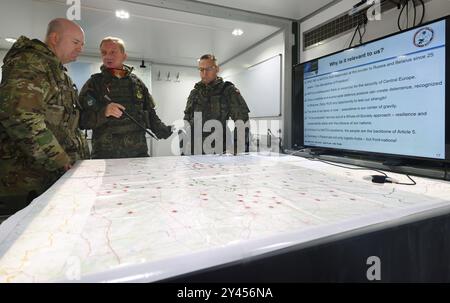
{"type": "Point", "coordinates": [387, 96]}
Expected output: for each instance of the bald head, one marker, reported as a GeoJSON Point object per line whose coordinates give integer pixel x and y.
{"type": "Point", "coordinates": [61, 25]}
{"type": "Point", "coordinates": [65, 38]}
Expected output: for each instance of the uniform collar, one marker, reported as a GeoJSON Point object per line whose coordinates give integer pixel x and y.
{"type": "Point", "coordinates": [212, 85]}
{"type": "Point", "coordinates": [117, 73]}
{"type": "Point", "coordinates": [24, 44]}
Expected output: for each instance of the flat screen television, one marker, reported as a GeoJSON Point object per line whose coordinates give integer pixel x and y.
{"type": "Point", "coordinates": [386, 97]}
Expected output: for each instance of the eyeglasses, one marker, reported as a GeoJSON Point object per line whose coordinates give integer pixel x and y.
{"type": "Point", "coordinates": [207, 69]}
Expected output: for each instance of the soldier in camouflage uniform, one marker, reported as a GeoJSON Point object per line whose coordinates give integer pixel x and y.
{"type": "Point", "coordinates": [106, 95]}
{"type": "Point", "coordinates": [214, 99]}
{"type": "Point", "coordinates": [39, 138]}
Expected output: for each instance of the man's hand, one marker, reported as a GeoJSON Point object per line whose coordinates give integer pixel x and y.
{"type": "Point", "coordinates": [67, 166]}
{"type": "Point", "coordinates": [114, 109]}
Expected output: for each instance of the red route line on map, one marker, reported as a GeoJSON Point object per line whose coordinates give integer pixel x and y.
{"type": "Point", "coordinates": [107, 235]}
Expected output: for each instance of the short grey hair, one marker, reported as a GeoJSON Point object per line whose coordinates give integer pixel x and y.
{"type": "Point", "coordinates": [209, 57]}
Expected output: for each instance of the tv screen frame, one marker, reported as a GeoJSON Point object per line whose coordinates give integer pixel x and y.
{"type": "Point", "coordinates": [298, 104]}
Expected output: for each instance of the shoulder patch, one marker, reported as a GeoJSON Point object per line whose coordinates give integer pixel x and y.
{"type": "Point", "coordinates": [90, 100]}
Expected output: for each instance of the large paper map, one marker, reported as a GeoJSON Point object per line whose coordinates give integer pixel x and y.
{"type": "Point", "coordinates": [151, 218]}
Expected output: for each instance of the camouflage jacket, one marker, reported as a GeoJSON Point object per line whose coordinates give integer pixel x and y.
{"type": "Point", "coordinates": [119, 138]}
{"type": "Point", "coordinates": [39, 115]}
{"type": "Point", "coordinates": [216, 101]}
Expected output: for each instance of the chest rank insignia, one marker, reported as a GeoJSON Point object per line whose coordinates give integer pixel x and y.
{"type": "Point", "coordinates": [139, 94]}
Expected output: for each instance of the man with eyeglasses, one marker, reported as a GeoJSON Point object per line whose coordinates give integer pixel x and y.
{"type": "Point", "coordinates": [210, 105]}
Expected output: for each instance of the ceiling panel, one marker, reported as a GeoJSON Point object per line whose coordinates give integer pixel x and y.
{"type": "Point", "coordinates": [156, 34]}
{"type": "Point", "coordinates": [291, 9]}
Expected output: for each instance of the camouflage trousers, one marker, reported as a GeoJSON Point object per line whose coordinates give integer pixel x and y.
{"type": "Point", "coordinates": [20, 184]}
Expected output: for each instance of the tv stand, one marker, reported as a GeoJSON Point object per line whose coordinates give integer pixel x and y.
{"type": "Point", "coordinates": [321, 151]}
{"type": "Point", "coordinates": [394, 162]}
